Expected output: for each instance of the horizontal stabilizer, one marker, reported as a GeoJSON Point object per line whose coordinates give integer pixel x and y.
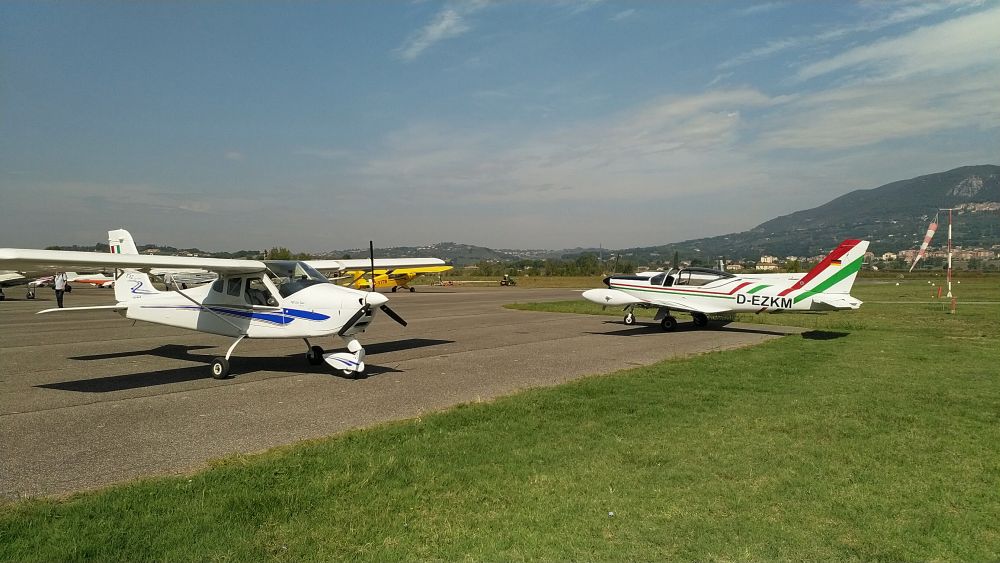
{"type": "Point", "coordinates": [836, 301]}
{"type": "Point", "coordinates": [118, 307]}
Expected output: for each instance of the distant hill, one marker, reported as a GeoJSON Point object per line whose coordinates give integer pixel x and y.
{"type": "Point", "coordinates": [894, 217]}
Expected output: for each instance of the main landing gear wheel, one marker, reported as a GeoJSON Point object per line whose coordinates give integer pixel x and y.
{"type": "Point", "coordinates": [394, 288]}
{"type": "Point", "coordinates": [412, 289]}
{"type": "Point", "coordinates": [630, 318]}
{"type": "Point", "coordinates": [315, 355]}
{"type": "Point", "coordinates": [220, 368]}
{"type": "Point", "coordinates": [668, 323]}
{"type": "Point", "coordinates": [700, 319]}
{"type": "Point", "coordinates": [30, 295]}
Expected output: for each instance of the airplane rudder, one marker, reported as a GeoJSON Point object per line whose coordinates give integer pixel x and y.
{"type": "Point", "coordinates": [120, 242]}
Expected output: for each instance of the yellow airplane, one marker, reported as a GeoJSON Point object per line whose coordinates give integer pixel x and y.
{"type": "Point", "coordinates": [393, 278]}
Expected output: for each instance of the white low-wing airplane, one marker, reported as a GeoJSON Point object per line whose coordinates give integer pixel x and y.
{"type": "Point", "coordinates": [703, 291]}
{"type": "Point", "coordinates": [250, 299]}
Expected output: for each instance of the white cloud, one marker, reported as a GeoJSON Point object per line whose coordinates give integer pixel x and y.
{"type": "Point", "coordinates": [874, 19]}
{"type": "Point", "coordinates": [623, 15]}
{"type": "Point", "coordinates": [961, 43]}
{"type": "Point", "coordinates": [450, 22]}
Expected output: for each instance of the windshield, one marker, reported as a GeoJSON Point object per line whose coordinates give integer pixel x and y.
{"type": "Point", "coordinates": [291, 277]}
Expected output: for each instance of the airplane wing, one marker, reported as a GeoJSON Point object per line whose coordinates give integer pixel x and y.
{"type": "Point", "coordinates": [10, 279]}
{"type": "Point", "coordinates": [365, 265]}
{"type": "Point", "coordinates": [29, 260]}
{"type": "Point", "coordinates": [400, 273]}
{"type": "Point", "coordinates": [616, 298]}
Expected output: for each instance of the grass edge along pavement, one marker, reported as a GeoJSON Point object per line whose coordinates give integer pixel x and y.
{"type": "Point", "coordinates": [870, 438]}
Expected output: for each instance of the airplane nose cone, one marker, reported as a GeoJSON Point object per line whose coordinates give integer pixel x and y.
{"type": "Point", "coordinates": [375, 299]}
{"type": "Point", "coordinates": [607, 281]}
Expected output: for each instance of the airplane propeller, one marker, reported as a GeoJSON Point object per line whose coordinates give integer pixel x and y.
{"type": "Point", "coordinates": [371, 287]}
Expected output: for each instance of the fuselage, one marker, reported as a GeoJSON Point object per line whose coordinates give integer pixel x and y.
{"type": "Point", "coordinates": [315, 311]}
{"type": "Point", "coordinates": [716, 292]}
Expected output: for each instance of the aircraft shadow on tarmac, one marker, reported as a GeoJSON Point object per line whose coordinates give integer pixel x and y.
{"type": "Point", "coordinates": [651, 328]}
{"type": "Point", "coordinates": [290, 363]}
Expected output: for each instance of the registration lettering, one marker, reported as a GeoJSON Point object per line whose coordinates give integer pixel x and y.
{"type": "Point", "coordinates": [764, 301]}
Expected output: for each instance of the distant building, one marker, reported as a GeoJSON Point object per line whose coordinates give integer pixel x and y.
{"type": "Point", "coordinates": [889, 256]}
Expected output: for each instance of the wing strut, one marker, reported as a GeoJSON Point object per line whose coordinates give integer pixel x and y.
{"type": "Point", "coordinates": [217, 315]}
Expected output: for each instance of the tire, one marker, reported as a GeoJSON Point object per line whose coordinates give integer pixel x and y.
{"type": "Point", "coordinates": [30, 295]}
{"type": "Point", "coordinates": [413, 290]}
{"type": "Point", "coordinates": [700, 319]}
{"type": "Point", "coordinates": [668, 324]}
{"type": "Point", "coordinates": [394, 288]}
{"type": "Point", "coordinates": [629, 319]}
{"type": "Point", "coordinates": [315, 355]}
{"type": "Point", "coordinates": [220, 368]}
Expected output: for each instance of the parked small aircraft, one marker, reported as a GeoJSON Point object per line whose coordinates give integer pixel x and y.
{"type": "Point", "coordinates": [96, 280]}
{"type": "Point", "coordinates": [393, 278]}
{"type": "Point", "coordinates": [250, 299]}
{"type": "Point", "coordinates": [10, 279]}
{"type": "Point", "coordinates": [704, 291]}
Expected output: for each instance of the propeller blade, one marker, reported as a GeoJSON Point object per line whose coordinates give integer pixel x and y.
{"type": "Point", "coordinates": [371, 257]}
{"type": "Point", "coordinates": [350, 322]}
{"type": "Point", "coordinates": [392, 314]}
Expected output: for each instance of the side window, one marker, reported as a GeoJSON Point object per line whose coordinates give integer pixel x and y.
{"type": "Point", "coordinates": [234, 285]}
{"type": "Point", "coordinates": [256, 293]}
{"type": "Point", "coordinates": [217, 285]}
{"type": "Point", "coordinates": [657, 279]}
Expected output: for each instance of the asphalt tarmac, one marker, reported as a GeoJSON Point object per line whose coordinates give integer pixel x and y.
{"type": "Point", "coordinates": [89, 399]}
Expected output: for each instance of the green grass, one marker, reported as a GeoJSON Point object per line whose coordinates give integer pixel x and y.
{"type": "Point", "coordinates": [874, 440]}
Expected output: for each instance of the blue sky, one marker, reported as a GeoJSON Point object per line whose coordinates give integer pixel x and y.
{"type": "Point", "coordinates": [320, 125]}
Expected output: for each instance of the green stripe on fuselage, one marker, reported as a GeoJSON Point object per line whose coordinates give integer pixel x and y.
{"type": "Point", "coordinates": [851, 268]}
{"type": "Point", "coordinates": [758, 288]}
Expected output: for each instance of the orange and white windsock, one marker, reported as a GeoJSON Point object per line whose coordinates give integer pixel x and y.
{"type": "Point", "coordinates": [923, 245]}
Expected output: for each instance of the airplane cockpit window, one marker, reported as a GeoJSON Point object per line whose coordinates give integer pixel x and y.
{"type": "Point", "coordinates": [257, 293]}
{"type": "Point", "coordinates": [700, 276]}
{"type": "Point", "coordinates": [292, 277]}
{"type": "Point", "coordinates": [234, 285]}
{"type": "Point", "coordinates": [657, 279]}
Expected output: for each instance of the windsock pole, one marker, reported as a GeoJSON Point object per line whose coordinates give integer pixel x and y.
{"type": "Point", "coordinates": [949, 296]}
{"type": "Point", "coordinates": [949, 254]}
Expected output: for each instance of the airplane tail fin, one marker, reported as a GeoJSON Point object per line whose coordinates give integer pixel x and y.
{"type": "Point", "coordinates": [133, 284]}
{"type": "Point", "coordinates": [129, 284]}
{"type": "Point", "coordinates": [836, 273]}
{"type": "Point", "coordinates": [120, 242]}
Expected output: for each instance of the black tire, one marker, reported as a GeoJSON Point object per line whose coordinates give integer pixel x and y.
{"type": "Point", "coordinates": [315, 355]}
{"type": "Point", "coordinates": [700, 319]}
{"type": "Point", "coordinates": [30, 295]}
{"type": "Point", "coordinates": [220, 368]}
{"type": "Point", "coordinates": [668, 324]}
{"type": "Point", "coordinates": [629, 319]}
{"type": "Point", "coordinates": [413, 289]}
{"type": "Point", "coordinates": [394, 288]}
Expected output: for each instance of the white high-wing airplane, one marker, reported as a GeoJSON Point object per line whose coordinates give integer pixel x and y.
{"type": "Point", "coordinates": [10, 279]}
{"type": "Point", "coordinates": [703, 291]}
{"type": "Point", "coordinates": [250, 299]}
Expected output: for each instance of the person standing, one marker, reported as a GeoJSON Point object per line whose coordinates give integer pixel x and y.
{"type": "Point", "coordinates": [59, 282]}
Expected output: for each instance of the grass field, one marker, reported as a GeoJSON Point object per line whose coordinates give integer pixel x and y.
{"type": "Point", "coordinates": [873, 436]}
